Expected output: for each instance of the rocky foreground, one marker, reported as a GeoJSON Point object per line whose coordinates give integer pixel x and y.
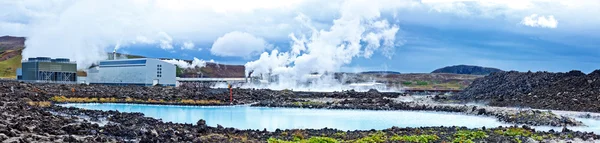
{"type": "Point", "coordinates": [572, 91]}
{"type": "Point", "coordinates": [29, 116]}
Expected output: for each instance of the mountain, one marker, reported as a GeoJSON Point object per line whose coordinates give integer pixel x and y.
{"type": "Point", "coordinates": [466, 69]}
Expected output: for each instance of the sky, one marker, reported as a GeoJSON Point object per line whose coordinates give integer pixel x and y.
{"type": "Point", "coordinates": [295, 37]}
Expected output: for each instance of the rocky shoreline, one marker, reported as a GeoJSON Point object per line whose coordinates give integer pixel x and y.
{"type": "Point", "coordinates": [22, 121]}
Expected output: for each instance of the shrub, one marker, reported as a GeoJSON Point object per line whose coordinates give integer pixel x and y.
{"type": "Point", "coordinates": [310, 140]}
{"type": "Point", "coordinates": [39, 103]}
{"type": "Point", "coordinates": [378, 137]}
{"type": "Point", "coordinates": [416, 138]}
{"type": "Point", "coordinates": [466, 136]}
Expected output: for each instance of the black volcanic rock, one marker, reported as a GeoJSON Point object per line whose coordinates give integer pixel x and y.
{"type": "Point", "coordinates": [466, 69]}
{"type": "Point", "coordinates": [572, 91]}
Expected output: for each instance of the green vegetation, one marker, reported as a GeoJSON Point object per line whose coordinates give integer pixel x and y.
{"type": "Point", "coordinates": [378, 137]}
{"type": "Point", "coordinates": [308, 103]}
{"type": "Point", "coordinates": [422, 83]}
{"type": "Point", "coordinates": [340, 134]}
{"type": "Point", "coordinates": [416, 138]}
{"type": "Point", "coordinates": [310, 140]}
{"type": "Point", "coordinates": [466, 136]}
{"type": "Point", "coordinates": [8, 68]}
{"type": "Point", "coordinates": [131, 100]}
{"type": "Point", "coordinates": [520, 132]}
{"type": "Point", "coordinates": [433, 85]}
{"type": "Point", "coordinates": [178, 71]}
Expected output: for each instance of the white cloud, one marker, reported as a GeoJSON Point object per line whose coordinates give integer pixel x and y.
{"type": "Point", "coordinates": [187, 46]}
{"type": "Point", "coordinates": [239, 44]}
{"type": "Point", "coordinates": [83, 29]}
{"type": "Point", "coordinates": [540, 21]}
{"type": "Point", "coordinates": [166, 41]}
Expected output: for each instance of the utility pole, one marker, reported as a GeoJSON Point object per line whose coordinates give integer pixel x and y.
{"type": "Point", "coordinates": [230, 93]}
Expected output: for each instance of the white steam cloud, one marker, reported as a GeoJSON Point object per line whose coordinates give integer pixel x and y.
{"type": "Point", "coordinates": [183, 64]}
{"type": "Point", "coordinates": [327, 50]}
{"type": "Point", "coordinates": [540, 21]}
{"type": "Point", "coordinates": [239, 44]}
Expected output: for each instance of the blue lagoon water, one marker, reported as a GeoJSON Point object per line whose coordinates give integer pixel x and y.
{"type": "Point", "coordinates": [245, 117]}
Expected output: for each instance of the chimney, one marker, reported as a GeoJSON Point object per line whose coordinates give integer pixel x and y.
{"type": "Point", "coordinates": [114, 54]}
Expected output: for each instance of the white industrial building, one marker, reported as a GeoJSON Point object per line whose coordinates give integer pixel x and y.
{"type": "Point", "coordinates": [144, 72]}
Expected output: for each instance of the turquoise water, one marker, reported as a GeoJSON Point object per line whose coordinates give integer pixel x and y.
{"type": "Point", "coordinates": [245, 117]}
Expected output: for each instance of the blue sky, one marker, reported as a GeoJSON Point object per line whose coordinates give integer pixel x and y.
{"type": "Point", "coordinates": [409, 36]}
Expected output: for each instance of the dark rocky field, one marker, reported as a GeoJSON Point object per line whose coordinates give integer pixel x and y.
{"type": "Point", "coordinates": [572, 91]}
{"type": "Point", "coordinates": [29, 116]}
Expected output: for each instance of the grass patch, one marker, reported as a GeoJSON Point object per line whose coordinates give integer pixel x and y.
{"type": "Point", "coordinates": [466, 136]}
{"type": "Point", "coordinates": [131, 100]}
{"type": "Point", "coordinates": [8, 68]}
{"type": "Point", "coordinates": [378, 137]}
{"type": "Point", "coordinates": [520, 132]}
{"type": "Point", "coordinates": [310, 140]}
{"type": "Point", "coordinates": [308, 103]}
{"type": "Point", "coordinates": [406, 83]}
{"type": "Point", "coordinates": [39, 103]}
{"type": "Point", "coordinates": [416, 138]}
{"type": "Point", "coordinates": [421, 83]}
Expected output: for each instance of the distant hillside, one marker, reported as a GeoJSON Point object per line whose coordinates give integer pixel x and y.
{"type": "Point", "coordinates": [380, 72]}
{"type": "Point", "coordinates": [467, 69]}
{"type": "Point", "coordinates": [11, 43]}
{"type": "Point", "coordinates": [10, 55]}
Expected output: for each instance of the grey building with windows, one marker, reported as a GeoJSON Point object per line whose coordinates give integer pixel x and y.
{"type": "Point", "coordinates": [143, 72]}
{"type": "Point", "coordinates": [45, 69]}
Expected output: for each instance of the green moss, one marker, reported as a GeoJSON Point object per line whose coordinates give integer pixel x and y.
{"type": "Point", "coordinates": [378, 137]}
{"type": "Point", "coordinates": [308, 103]}
{"type": "Point", "coordinates": [340, 134]}
{"type": "Point", "coordinates": [416, 138]}
{"type": "Point", "coordinates": [466, 136]}
{"type": "Point", "coordinates": [520, 132]}
{"type": "Point", "coordinates": [422, 83]}
{"type": "Point", "coordinates": [310, 140]}
{"type": "Point", "coordinates": [406, 83]}
{"type": "Point", "coordinates": [8, 68]}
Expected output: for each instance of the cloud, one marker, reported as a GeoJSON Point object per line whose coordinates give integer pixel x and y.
{"type": "Point", "coordinates": [187, 46]}
{"type": "Point", "coordinates": [239, 44]}
{"type": "Point", "coordinates": [83, 29]}
{"type": "Point", "coordinates": [534, 20]}
{"type": "Point", "coordinates": [166, 41]}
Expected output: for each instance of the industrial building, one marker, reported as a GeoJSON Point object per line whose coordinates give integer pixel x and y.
{"type": "Point", "coordinates": [44, 69]}
{"type": "Point", "coordinates": [143, 72]}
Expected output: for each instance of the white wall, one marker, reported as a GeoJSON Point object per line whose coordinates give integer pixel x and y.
{"type": "Point", "coordinates": [144, 74]}
{"type": "Point", "coordinates": [167, 72]}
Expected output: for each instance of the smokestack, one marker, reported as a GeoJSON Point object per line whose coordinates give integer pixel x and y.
{"type": "Point", "coordinates": [249, 78]}
{"type": "Point", "coordinates": [114, 54]}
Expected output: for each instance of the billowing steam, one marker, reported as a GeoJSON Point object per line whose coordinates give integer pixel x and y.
{"type": "Point", "coordinates": [183, 64]}
{"type": "Point", "coordinates": [356, 33]}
